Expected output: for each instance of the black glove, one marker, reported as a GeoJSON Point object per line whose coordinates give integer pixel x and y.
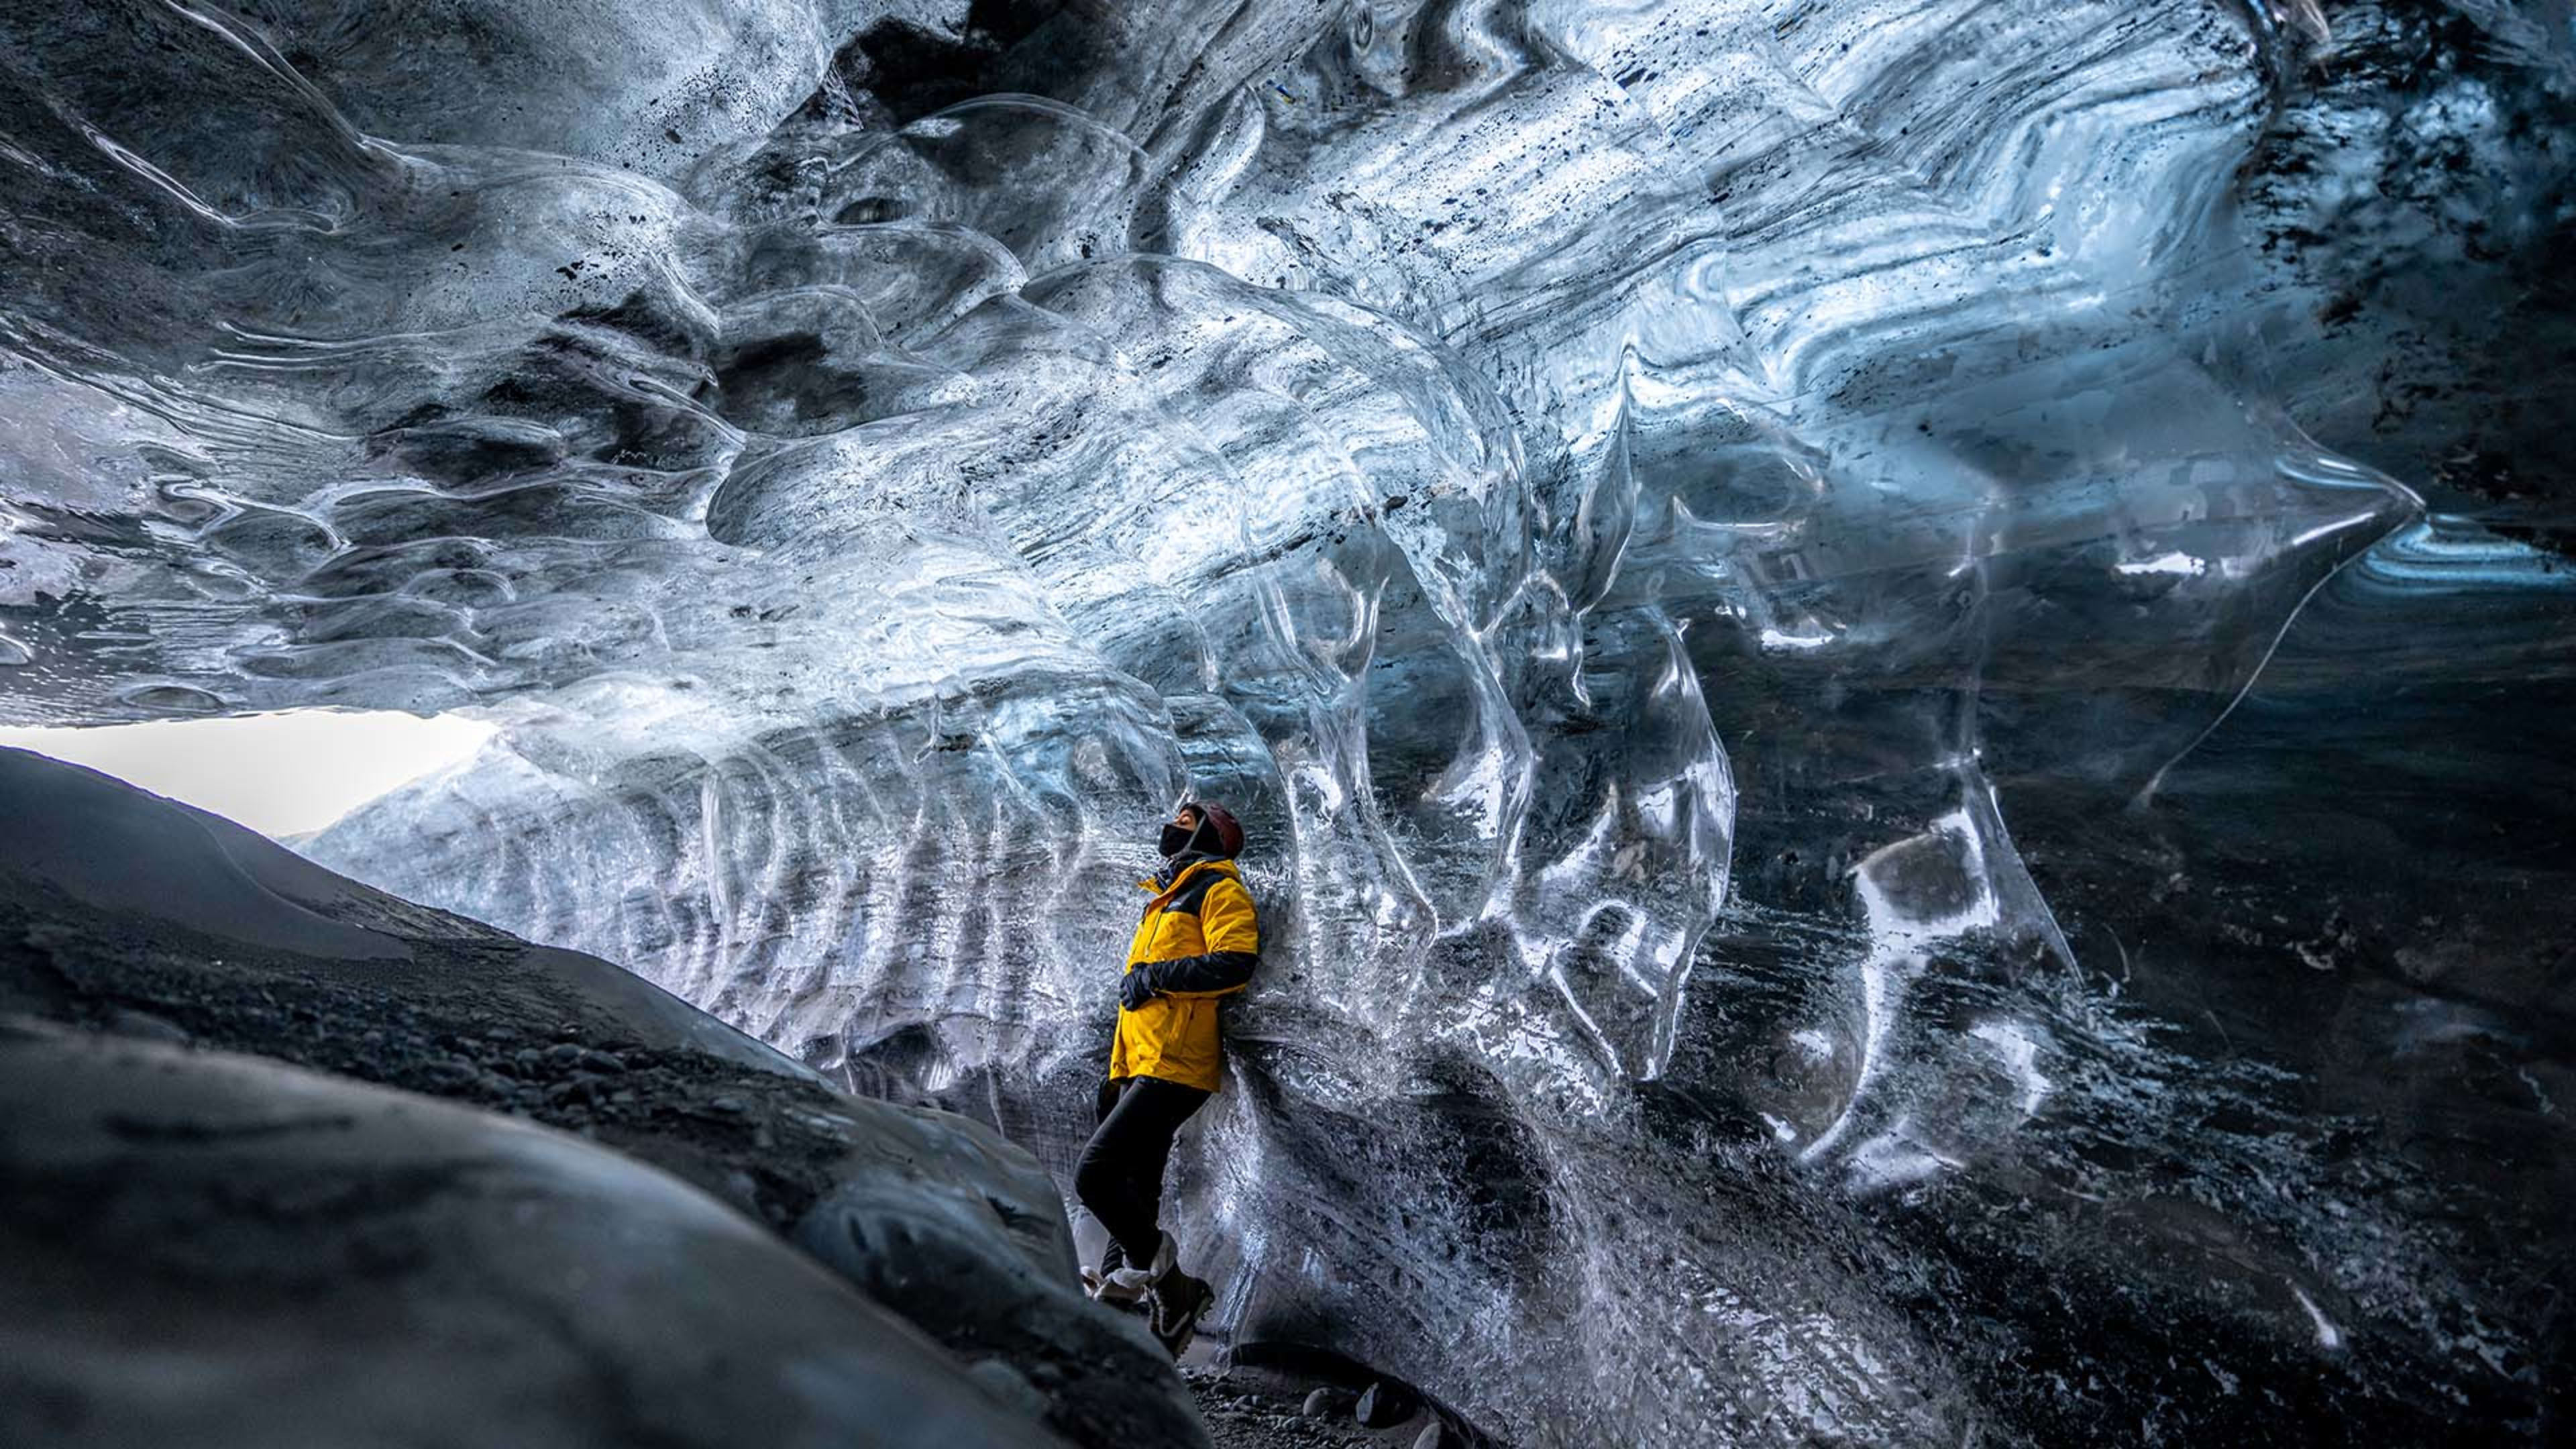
{"type": "Point", "coordinates": [1138, 987]}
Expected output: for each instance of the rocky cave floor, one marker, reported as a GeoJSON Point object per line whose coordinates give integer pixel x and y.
{"type": "Point", "coordinates": [1260, 1409]}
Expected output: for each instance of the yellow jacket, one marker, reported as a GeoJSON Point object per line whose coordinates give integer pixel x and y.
{"type": "Point", "coordinates": [1201, 941]}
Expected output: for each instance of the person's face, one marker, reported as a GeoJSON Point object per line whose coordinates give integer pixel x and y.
{"type": "Point", "coordinates": [1183, 829]}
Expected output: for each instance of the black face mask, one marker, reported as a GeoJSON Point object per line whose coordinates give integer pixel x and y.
{"type": "Point", "coordinates": [1177, 838]}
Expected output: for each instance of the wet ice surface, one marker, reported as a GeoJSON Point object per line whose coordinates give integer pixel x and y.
{"type": "Point", "coordinates": [1720, 550]}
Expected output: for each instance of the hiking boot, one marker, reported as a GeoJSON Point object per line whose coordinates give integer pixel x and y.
{"type": "Point", "coordinates": [1173, 1307]}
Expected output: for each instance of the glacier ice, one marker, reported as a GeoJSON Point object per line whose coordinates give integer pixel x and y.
{"type": "Point", "coordinates": [1724, 551]}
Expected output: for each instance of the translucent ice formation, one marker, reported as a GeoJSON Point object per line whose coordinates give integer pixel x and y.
{"type": "Point", "coordinates": [1625, 501]}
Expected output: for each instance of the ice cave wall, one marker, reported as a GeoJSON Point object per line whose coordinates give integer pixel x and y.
{"type": "Point", "coordinates": [1887, 661]}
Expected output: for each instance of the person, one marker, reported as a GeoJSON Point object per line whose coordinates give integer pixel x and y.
{"type": "Point", "coordinates": [1199, 942]}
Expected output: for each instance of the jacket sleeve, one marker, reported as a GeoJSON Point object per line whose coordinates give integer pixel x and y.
{"type": "Point", "coordinates": [1233, 935]}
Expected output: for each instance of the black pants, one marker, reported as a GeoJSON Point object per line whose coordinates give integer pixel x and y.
{"type": "Point", "coordinates": [1120, 1176]}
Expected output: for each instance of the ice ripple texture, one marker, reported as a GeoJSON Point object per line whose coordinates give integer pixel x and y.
{"type": "Point", "coordinates": [1625, 500]}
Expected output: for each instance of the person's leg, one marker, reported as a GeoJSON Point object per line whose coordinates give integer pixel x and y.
{"type": "Point", "coordinates": [1166, 1106]}
{"type": "Point", "coordinates": [1120, 1177]}
{"type": "Point", "coordinates": [1173, 1299]}
{"type": "Point", "coordinates": [1112, 1257]}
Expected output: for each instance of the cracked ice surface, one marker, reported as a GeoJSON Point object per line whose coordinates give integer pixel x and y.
{"type": "Point", "coordinates": [1531, 460]}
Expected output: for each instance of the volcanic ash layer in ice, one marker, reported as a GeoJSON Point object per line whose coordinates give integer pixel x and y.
{"type": "Point", "coordinates": [1893, 666]}
{"type": "Point", "coordinates": [236, 1217]}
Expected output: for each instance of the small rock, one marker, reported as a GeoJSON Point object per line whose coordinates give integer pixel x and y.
{"type": "Point", "coordinates": [1382, 1405]}
{"type": "Point", "coordinates": [730, 1106]}
{"type": "Point", "coordinates": [451, 1074]}
{"type": "Point", "coordinates": [563, 1054]}
{"type": "Point", "coordinates": [604, 1063]}
{"type": "Point", "coordinates": [1434, 1435]}
{"type": "Point", "coordinates": [1324, 1403]}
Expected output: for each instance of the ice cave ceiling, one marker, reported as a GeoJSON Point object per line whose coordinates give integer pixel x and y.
{"type": "Point", "coordinates": [1901, 670]}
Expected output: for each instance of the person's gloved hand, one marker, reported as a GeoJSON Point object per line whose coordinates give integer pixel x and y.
{"type": "Point", "coordinates": [1137, 987]}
